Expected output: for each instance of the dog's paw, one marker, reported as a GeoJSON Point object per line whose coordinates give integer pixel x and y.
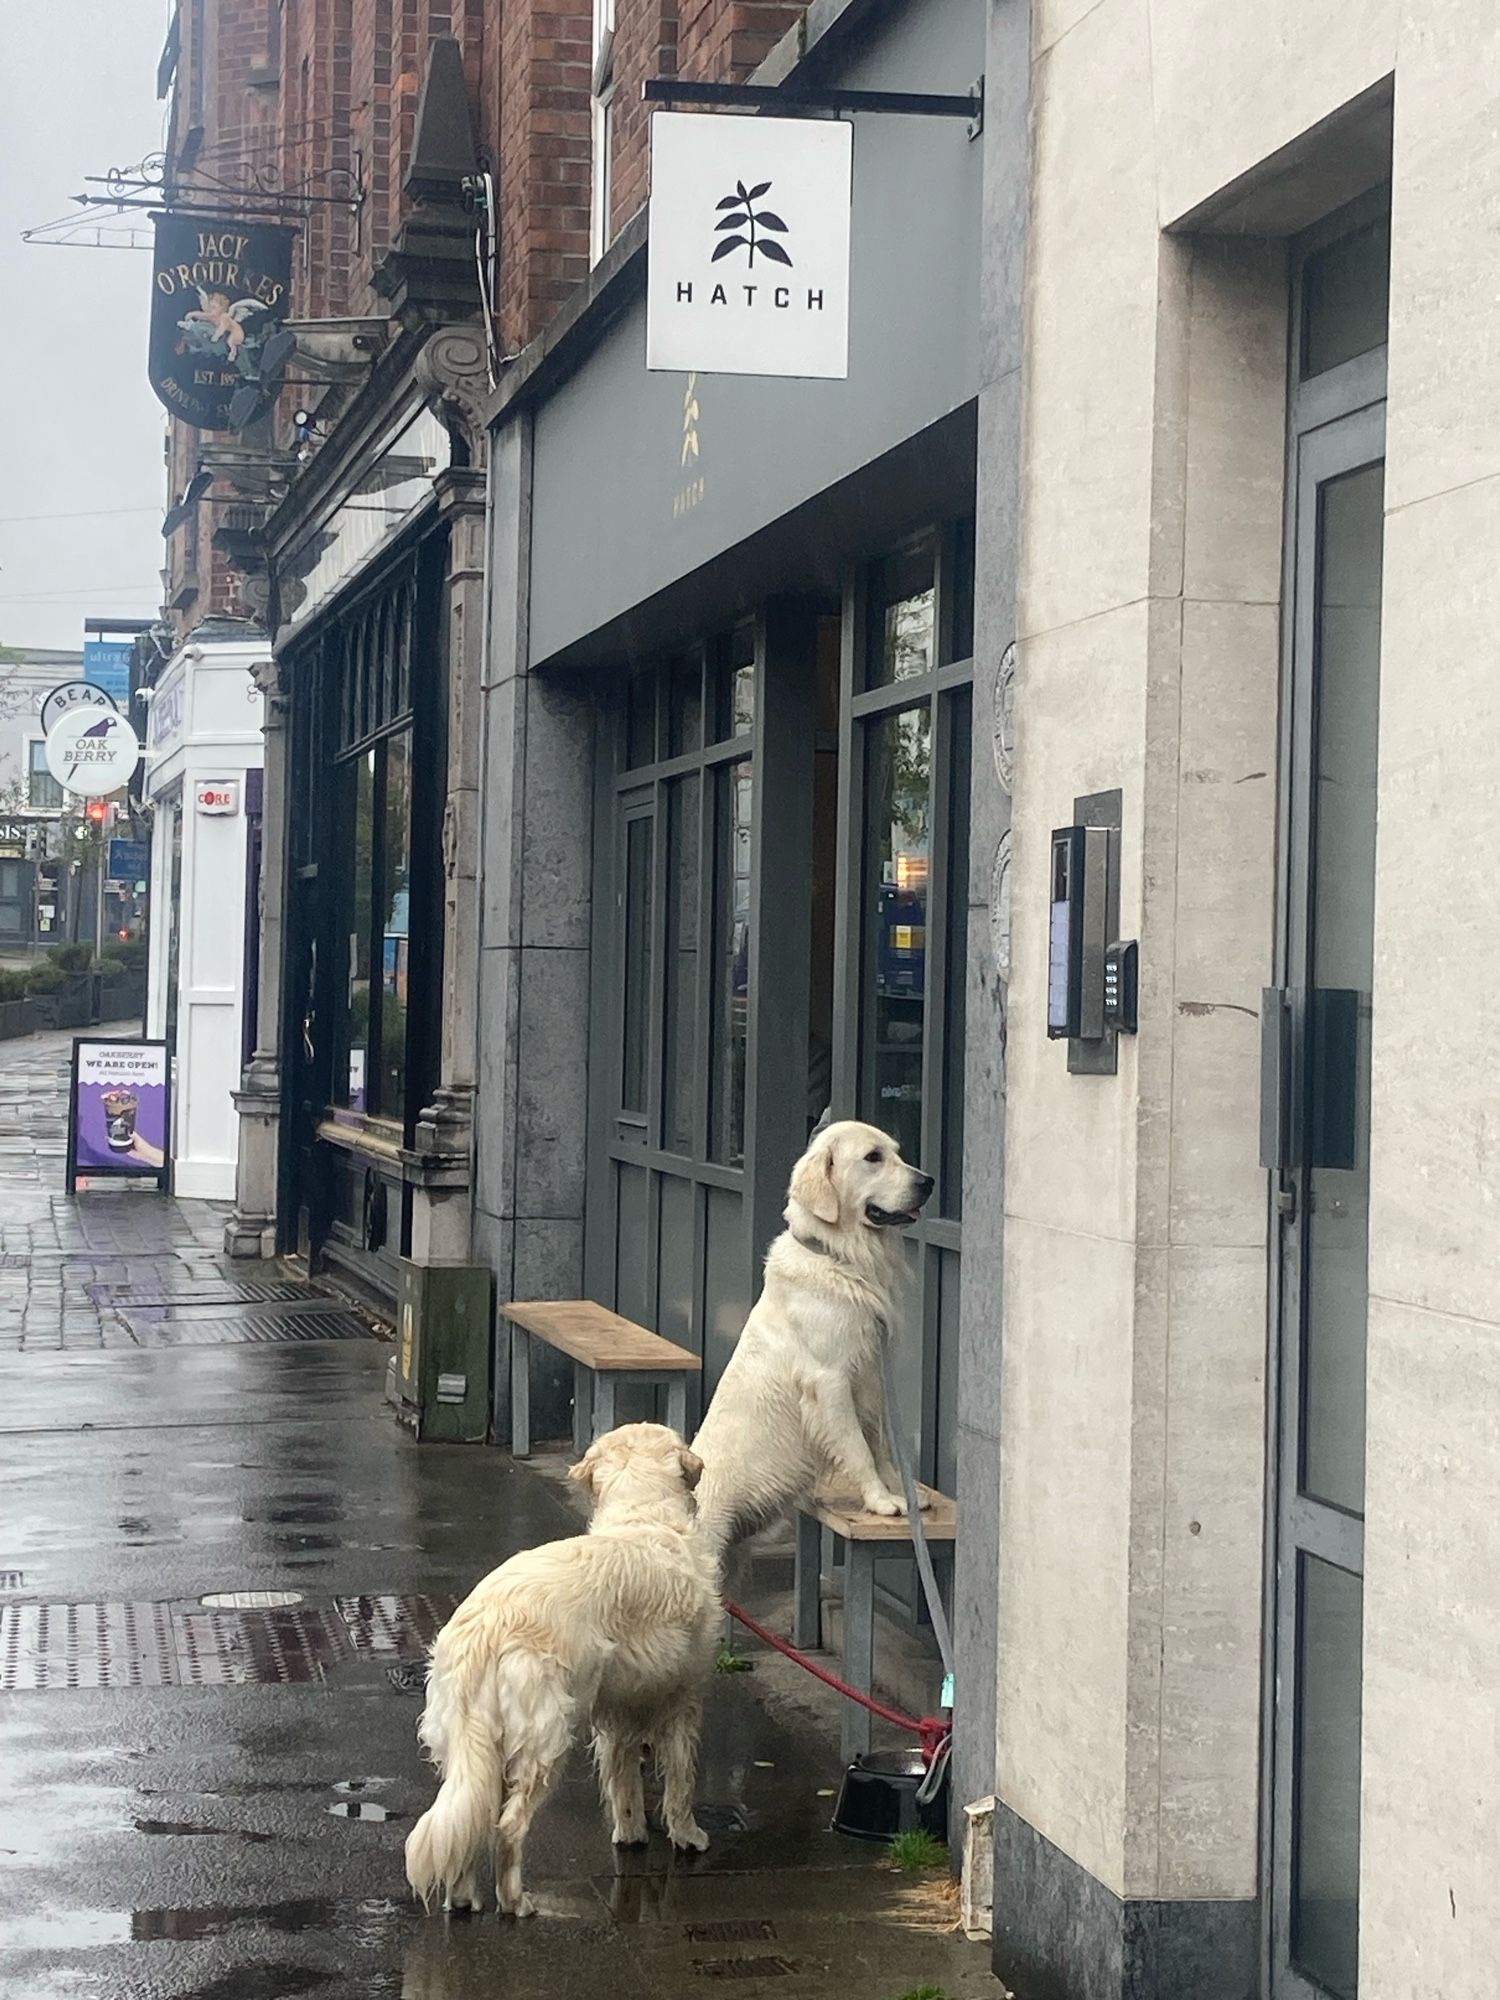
{"type": "Point", "coordinates": [520, 1909]}
{"type": "Point", "coordinates": [691, 1837]}
{"type": "Point", "coordinates": [629, 1833]}
{"type": "Point", "coordinates": [879, 1502]}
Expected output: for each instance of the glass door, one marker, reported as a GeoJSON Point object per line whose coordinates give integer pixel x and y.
{"type": "Point", "coordinates": [1317, 1105]}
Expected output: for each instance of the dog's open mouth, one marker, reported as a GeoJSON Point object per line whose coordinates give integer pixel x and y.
{"type": "Point", "coordinates": [889, 1218]}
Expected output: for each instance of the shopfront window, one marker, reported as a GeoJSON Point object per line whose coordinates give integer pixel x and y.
{"type": "Point", "coordinates": [353, 1081]}
{"type": "Point", "coordinates": [729, 1021]}
{"type": "Point", "coordinates": [395, 885]}
{"type": "Point", "coordinates": [898, 850]}
{"type": "Point", "coordinates": [639, 864]}
{"type": "Point", "coordinates": [913, 726]}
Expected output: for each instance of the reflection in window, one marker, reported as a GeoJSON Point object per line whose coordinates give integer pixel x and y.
{"type": "Point", "coordinates": [898, 845]}
{"type": "Point", "coordinates": [358, 893]}
{"type": "Point", "coordinates": [685, 706]}
{"type": "Point", "coordinates": [395, 845]}
{"type": "Point", "coordinates": [903, 618]}
{"type": "Point", "coordinates": [638, 899]}
{"type": "Point", "coordinates": [42, 789]}
{"type": "Point", "coordinates": [730, 1019]}
{"type": "Point", "coordinates": [734, 707]}
{"type": "Point", "coordinates": [1325, 1860]}
{"type": "Point", "coordinates": [680, 1052]}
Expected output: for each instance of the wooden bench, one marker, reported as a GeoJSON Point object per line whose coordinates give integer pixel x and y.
{"type": "Point", "coordinates": [866, 1538]}
{"type": "Point", "coordinates": [606, 1351]}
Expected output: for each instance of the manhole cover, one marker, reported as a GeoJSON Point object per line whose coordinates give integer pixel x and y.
{"type": "Point", "coordinates": [162, 1645]}
{"type": "Point", "coordinates": [405, 1626]}
{"type": "Point", "coordinates": [250, 1600]}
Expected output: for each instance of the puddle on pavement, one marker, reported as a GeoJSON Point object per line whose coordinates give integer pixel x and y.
{"type": "Point", "coordinates": [353, 1788]}
{"type": "Point", "coordinates": [363, 1809]}
{"type": "Point", "coordinates": [79, 1930]}
{"type": "Point", "coordinates": [187, 1830]}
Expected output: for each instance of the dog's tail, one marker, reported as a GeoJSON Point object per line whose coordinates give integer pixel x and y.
{"type": "Point", "coordinates": [445, 1848]}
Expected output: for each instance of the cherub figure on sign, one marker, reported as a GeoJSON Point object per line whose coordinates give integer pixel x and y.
{"type": "Point", "coordinates": [218, 327]}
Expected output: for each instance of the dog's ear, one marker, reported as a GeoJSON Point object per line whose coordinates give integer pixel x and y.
{"type": "Point", "coordinates": [582, 1474]}
{"type": "Point", "coordinates": [692, 1467]}
{"type": "Point", "coordinates": [812, 1184]}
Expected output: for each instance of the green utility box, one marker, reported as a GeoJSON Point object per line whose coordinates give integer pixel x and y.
{"type": "Point", "coordinates": [439, 1376]}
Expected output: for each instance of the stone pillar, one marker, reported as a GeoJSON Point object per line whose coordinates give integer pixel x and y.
{"type": "Point", "coordinates": [251, 1228]}
{"type": "Point", "coordinates": [443, 1139]}
{"type": "Point", "coordinates": [536, 842]}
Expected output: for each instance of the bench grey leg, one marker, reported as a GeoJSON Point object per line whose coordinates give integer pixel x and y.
{"type": "Point", "coordinates": [859, 1642]}
{"type": "Point", "coordinates": [677, 1404]}
{"type": "Point", "coordinates": [807, 1588]}
{"type": "Point", "coordinates": [604, 1403]}
{"type": "Point", "coordinates": [520, 1393]}
{"type": "Point", "coordinates": [583, 1408]}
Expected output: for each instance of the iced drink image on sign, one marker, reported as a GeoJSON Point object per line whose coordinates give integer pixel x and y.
{"type": "Point", "coordinates": [120, 1108]}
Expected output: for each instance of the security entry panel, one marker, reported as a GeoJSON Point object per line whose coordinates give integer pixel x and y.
{"type": "Point", "coordinates": [1077, 933]}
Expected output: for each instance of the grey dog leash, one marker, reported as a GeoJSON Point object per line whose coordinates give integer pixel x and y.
{"type": "Point", "coordinates": [901, 1452]}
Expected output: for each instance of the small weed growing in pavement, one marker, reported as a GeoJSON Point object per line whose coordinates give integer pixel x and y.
{"type": "Point", "coordinates": [731, 1662]}
{"type": "Point", "coordinates": [917, 1850]}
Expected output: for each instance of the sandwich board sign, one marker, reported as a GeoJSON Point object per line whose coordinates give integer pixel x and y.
{"type": "Point", "coordinates": [749, 229]}
{"type": "Point", "coordinates": [119, 1111]}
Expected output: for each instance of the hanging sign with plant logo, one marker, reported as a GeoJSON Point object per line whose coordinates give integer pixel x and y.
{"type": "Point", "coordinates": [749, 260]}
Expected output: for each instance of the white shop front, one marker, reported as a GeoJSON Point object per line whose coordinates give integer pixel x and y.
{"type": "Point", "coordinates": [203, 784]}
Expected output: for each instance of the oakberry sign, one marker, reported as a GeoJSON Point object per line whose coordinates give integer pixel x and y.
{"type": "Point", "coordinates": [749, 258]}
{"type": "Point", "coordinates": [92, 752]}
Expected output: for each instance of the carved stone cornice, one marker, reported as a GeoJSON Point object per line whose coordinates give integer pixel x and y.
{"type": "Point", "coordinates": [453, 371]}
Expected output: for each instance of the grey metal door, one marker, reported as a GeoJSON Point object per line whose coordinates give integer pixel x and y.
{"type": "Point", "coordinates": [1318, 1101]}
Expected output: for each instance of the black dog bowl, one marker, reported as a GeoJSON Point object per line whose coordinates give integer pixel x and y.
{"type": "Point", "coordinates": [878, 1798]}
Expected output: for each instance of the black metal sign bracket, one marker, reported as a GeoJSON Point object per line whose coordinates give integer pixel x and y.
{"type": "Point", "coordinates": [790, 101]}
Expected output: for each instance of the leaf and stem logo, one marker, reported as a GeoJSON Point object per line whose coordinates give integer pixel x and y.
{"type": "Point", "coordinates": [743, 215]}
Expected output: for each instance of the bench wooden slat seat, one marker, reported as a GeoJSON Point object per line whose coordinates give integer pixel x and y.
{"type": "Point", "coordinates": [605, 1349]}
{"type": "Point", "coordinates": [868, 1539]}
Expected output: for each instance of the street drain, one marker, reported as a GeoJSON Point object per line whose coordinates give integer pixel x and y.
{"type": "Point", "coordinates": [250, 1600]}
{"type": "Point", "coordinates": [386, 1624]}
{"type": "Point", "coordinates": [248, 1327]}
{"type": "Point", "coordinates": [410, 1679]}
{"type": "Point", "coordinates": [762, 1931]}
{"type": "Point", "coordinates": [204, 1291]}
{"type": "Point", "coordinates": [50, 1646]}
{"type": "Point", "coordinates": [745, 1968]}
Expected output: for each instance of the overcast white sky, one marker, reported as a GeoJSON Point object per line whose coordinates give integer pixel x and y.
{"type": "Point", "coordinates": [80, 431]}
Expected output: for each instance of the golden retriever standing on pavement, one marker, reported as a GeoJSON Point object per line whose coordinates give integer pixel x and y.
{"type": "Point", "coordinates": [799, 1404]}
{"type": "Point", "coordinates": [618, 1627]}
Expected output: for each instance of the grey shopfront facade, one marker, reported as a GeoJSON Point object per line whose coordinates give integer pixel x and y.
{"type": "Point", "coordinates": [744, 793]}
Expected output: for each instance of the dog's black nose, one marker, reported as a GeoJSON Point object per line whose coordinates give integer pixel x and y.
{"type": "Point", "coordinates": [926, 1183]}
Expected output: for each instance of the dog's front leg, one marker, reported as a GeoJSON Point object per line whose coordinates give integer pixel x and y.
{"type": "Point", "coordinates": [870, 1404]}
{"type": "Point", "coordinates": [833, 1421]}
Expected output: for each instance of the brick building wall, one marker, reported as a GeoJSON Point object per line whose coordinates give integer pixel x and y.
{"type": "Point", "coordinates": [291, 92]}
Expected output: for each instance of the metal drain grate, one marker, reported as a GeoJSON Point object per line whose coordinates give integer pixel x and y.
{"type": "Point", "coordinates": [401, 1626]}
{"type": "Point", "coordinates": [247, 1327]}
{"type": "Point", "coordinates": [160, 1645]}
{"type": "Point", "coordinates": [752, 1931]}
{"type": "Point", "coordinates": [203, 1292]}
{"type": "Point", "coordinates": [745, 1968]}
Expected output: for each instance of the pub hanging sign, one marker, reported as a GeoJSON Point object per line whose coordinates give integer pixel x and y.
{"type": "Point", "coordinates": [219, 290]}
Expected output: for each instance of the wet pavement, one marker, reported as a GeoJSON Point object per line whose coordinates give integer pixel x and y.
{"type": "Point", "coordinates": [220, 1562]}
